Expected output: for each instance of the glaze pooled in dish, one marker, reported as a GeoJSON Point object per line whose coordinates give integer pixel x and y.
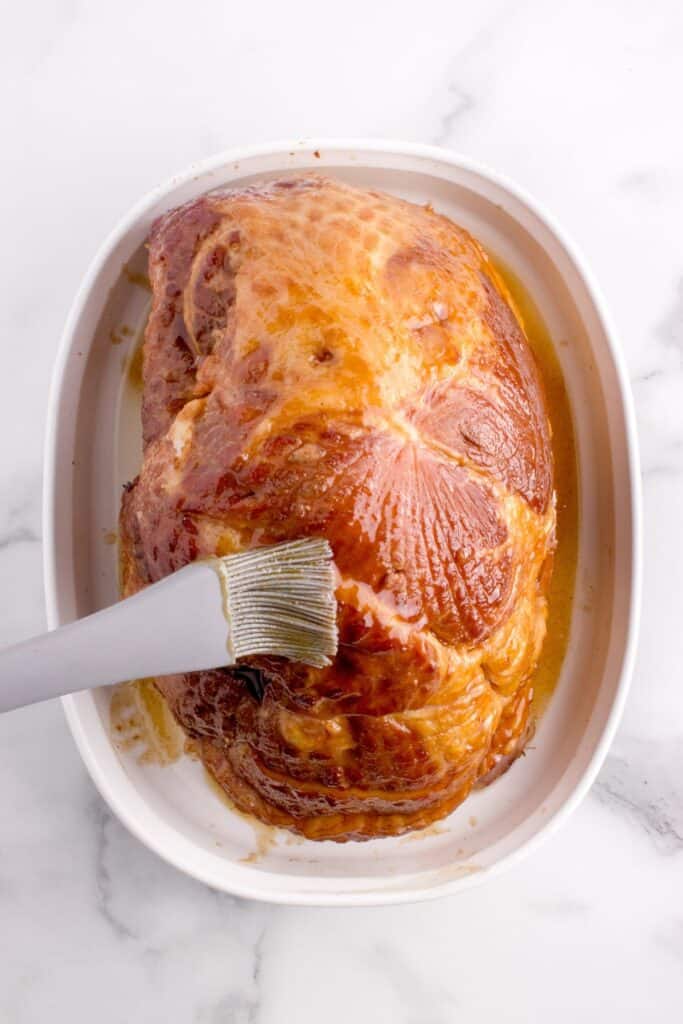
{"type": "Point", "coordinates": [325, 361]}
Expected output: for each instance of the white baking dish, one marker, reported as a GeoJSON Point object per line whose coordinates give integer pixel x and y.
{"type": "Point", "coordinates": [93, 447]}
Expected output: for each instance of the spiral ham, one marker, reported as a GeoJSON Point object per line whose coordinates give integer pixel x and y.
{"type": "Point", "coordinates": [326, 361]}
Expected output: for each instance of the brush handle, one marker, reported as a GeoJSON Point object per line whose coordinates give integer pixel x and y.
{"type": "Point", "coordinates": [174, 626]}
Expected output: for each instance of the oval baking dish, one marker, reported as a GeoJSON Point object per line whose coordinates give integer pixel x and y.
{"type": "Point", "coordinates": [93, 447]}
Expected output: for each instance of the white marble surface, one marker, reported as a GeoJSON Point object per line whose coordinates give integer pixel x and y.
{"type": "Point", "coordinates": [578, 102]}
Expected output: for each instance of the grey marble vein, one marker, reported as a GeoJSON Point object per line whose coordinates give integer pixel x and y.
{"type": "Point", "coordinates": [459, 103]}
{"type": "Point", "coordinates": [237, 1007]}
{"type": "Point", "coordinates": [102, 820]}
{"type": "Point", "coordinates": [421, 1001]}
{"type": "Point", "coordinates": [662, 470]}
{"type": "Point", "coordinates": [641, 781]}
{"type": "Point", "coordinates": [254, 1006]}
{"type": "Point", "coordinates": [20, 511]}
{"type": "Point", "coordinates": [19, 535]}
{"type": "Point", "coordinates": [654, 185]}
{"type": "Point", "coordinates": [461, 98]}
{"type": "Point", "coordinates": [561, 907]}
{"type": "Point", "coordinates": [670, 328]}
{"type": "Point", "coordinates": [666, 354]}
{"type": "Point", "coordinates": [646, 376]}
{"type": "Point", "coordinates": [242, 1003]}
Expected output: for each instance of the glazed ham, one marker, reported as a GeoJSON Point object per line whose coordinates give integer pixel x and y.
{"type": "Point", "coordinates": [326, 361]}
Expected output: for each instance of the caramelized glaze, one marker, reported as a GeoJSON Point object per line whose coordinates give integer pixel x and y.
{"type": "Point", "coordinates": [321, 360]}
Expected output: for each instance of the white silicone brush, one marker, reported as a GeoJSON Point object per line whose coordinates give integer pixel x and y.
{"type": "Point", "coordinates": [270, 600]}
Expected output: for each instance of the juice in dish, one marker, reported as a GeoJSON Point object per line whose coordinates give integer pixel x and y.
{"type": "Point", "coordinates": [561, 592]}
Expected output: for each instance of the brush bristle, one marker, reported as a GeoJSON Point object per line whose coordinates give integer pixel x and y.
{"type": "Point", "coordinates": [280, 600]}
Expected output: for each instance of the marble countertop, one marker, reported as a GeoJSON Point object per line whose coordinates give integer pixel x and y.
{"type": "Point", "coordinates": [580, 104]}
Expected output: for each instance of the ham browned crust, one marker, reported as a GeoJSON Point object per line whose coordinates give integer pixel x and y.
{"type": "Point", "coordinates": [321, 360]}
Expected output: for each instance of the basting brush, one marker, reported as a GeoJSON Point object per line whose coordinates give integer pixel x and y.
{"type": "Point", "coordinates": [271, 600]}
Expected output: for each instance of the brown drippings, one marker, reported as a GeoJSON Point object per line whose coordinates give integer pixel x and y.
{"type": "Point", "coordinates": [293, 839]}
{"type": "Point", "coordinates": [137, 277]}
{"type": "Point", "coordinates": [120, 334]}
{"type": "Point", "coordinates": [436, 829]}
{"type": "Point", "coordinates": [265, 836]}
{"type": "Point", "coordinates": [561, 592]}
{"type": "Point", "coordinates": [134, 369]}
{"type": "Point", "coordinates": [142, 723]}
{"type": "Point", "coordinates": [109, 536]}
{"type": "Point", "coordinates": [192, 749]}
